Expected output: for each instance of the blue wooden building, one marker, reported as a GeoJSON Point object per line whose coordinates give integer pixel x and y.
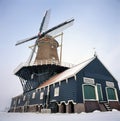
{"type": "Point", "coordinates": [85, 87]}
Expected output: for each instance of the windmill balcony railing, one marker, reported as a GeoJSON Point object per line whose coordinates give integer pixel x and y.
{"type": "Point", "coordinates": [43, 62]}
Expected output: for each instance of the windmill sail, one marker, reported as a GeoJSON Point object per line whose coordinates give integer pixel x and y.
{"type": "Point", "coordinates": [59, 28]}
{"type": "Point", "coordinates": [32, 53]}
{"type": "Point", "coordinates": [43, 27]}
{"type": "Point", "coordinates": [45, 21]}
{"type": "Point", "coordinates": [26, 40]}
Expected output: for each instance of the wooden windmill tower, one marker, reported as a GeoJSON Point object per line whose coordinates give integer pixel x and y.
{"type": "Point", "coordinates": [46, 63]}
{"type": "Point", "coordinates": [47, 50]}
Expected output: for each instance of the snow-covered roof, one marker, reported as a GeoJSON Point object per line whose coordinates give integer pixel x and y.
{"type": "Point", "coordinates": [67, 73]}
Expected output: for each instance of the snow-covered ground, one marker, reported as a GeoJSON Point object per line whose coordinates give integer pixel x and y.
{"type": "Point", "coordinates": [95, 116]}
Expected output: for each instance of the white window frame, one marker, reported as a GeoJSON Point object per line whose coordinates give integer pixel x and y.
{"type": "Point", "coordinates": [24, 98]}
{"type": "Point", "coordinates": [56, 91]}
{"type": "Point", "coordinates": [33, 95]}
{"type": "Point", "coordinates": [96, 94]}
{"type": "Point", "coordinates": [115, 94]}
{"type": "Point", "coordinates": [41, 95]}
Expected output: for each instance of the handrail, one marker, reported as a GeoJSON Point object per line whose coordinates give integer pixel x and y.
{"type": "Point", "coordinates": [43, 62]}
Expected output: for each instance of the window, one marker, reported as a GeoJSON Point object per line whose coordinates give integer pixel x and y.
{"type": "Point", "coordinates": [33, 95]}
{"type": "Point", "coordinates": [89, 92]}
{"type": "Point", "coordinates": [24, 98]}
{"type": "Point", "coordinates": [19, 101]}
{"type": "Point", "coordinates": [111, 94]}
{"type": "Point", "coordinates": [56, 91]}
{"type": "Point", "coordinates": [89, 80]}
{"type": "Point", "coordinates": [109, 84]}
{"type": "Point", "coordinates": [52, 46]}
{"type": "Point", "coordinates": [41, 95]}
{"type": "Point", "coordinates": [14, 102]}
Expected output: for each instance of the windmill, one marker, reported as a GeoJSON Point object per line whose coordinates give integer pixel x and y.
{"type": "Point", "coordinates": [33, 75]}
{"type": "Point", "coordinates": [45, 36]}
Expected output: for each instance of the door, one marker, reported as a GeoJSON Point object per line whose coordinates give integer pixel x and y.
{"type": "Point", "coordinates": [99, 91]}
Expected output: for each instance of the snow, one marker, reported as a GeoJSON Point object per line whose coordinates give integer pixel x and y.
{"type": "Point", "coordinates": [95, 116]}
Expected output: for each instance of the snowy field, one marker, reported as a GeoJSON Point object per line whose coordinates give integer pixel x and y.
{"type": "Point", "coordinates": [95, 116]}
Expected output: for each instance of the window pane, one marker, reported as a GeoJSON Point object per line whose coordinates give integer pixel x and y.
{"type": "Point", "coordinates": [41, 95]}
{"type": "Point", "coordinates": [111, 94]}
{"type": "Point", "coordinates": [89, 92]}
{"type": "Point", "coordinates": [56, 91]}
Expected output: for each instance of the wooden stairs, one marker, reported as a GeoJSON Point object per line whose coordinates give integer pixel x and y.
{"type": "Point", "coordinates": [107, 106]}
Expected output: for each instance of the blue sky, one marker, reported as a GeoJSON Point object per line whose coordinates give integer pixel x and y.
{"type": "Point", "coordinates": [97, 25]}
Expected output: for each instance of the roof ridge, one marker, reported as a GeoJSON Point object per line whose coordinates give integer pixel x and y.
{"type": "Point", "coordinates": [84, 61]}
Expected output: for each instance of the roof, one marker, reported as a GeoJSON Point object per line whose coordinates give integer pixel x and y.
{"type": "Point", "coordinates": [67, 73]}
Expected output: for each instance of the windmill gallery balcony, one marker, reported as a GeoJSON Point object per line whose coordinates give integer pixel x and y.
{"type": "Point", "coordinates": [43, 62]}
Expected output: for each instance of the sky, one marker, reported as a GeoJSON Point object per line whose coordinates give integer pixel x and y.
{"type": "Point", "coordinates": [96, 28]}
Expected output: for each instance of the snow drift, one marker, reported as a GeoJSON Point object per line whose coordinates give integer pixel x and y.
{"type": "Point", "coordinates": [95, 116]}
